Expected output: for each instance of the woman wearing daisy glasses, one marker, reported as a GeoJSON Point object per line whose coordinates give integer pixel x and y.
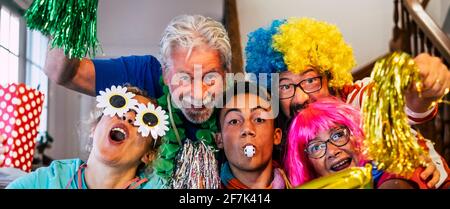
{"type": "Point", "coordinates": [126, 135]}
{"type": "Point", "coordinates": [325, 138]}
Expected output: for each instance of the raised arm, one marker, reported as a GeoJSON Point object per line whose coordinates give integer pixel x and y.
{"type": "Point", "coordinates": [75, 74]}
{"type": "Point", "coordinates": [436, 82]}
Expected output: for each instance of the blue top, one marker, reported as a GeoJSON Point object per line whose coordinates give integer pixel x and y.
{"type": "Point", "coordinates": [60, 172]}
{"type": "Point", "coordinates": [140, 71]}
{"type": "Point", "coordinates": [376, 175]}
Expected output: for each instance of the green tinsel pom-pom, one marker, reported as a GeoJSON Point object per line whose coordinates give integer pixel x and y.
{"type": "Point", "coordinates": [71, 23]}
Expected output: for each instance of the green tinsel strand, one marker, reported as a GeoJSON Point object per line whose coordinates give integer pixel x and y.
{"type": "Point", "coordinates": [37, 16]}
{"type": "Point", "coordinates": [71, 23]}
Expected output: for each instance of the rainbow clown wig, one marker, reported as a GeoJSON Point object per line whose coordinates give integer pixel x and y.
{"type": "Point", "coordinates": [318, 116]}
{"type": "Point", "coordinates": [298, 44]}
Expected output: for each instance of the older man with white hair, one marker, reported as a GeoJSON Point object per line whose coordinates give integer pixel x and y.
{"type": "Point", "coordinates": [195, 55]}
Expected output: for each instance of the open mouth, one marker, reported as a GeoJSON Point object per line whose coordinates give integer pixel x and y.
{"type": "Point", "coordinates": [118, 133]}
{"type": "Point", "coordinates": [341, 165]}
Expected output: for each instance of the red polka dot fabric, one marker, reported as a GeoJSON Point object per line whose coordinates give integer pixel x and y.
{"type": "Point", "coordinates": [20, 110]}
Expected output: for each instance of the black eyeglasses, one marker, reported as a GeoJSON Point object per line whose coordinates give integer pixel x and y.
{"type": "Point", "coordinates": [317, 149]}
{"type": "Point", "coordinates": [309, 85]}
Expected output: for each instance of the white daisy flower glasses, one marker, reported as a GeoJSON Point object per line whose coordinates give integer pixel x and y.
{"type": "Point", "coordinates": [149, 119]}
{"type": "Point", "coordinates": [116, 101]}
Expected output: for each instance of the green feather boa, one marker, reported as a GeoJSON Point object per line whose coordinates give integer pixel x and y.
{"type": "Point", "coordinates": [170, 146]}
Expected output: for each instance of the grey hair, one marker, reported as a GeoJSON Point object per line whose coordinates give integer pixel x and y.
{"type": "Point", "coordinates": [190, 30]}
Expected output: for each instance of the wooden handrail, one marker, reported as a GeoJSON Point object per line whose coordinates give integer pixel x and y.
{"type": "Point", "coordinates": [432, 31]}
{"type": "Point", "coordinates": [419, 33]}
{"type": "Point", "coordinates": [415, 32]}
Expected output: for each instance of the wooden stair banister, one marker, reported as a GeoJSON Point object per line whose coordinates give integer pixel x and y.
{"type": "Point", "coordinates": [415, 32]}
{"type": "Point", "coordinates": [436, 41]}
{"type": "Point", "coordinates": [231, 22]}
{"type": "Point", "coordinates": [419, 33]}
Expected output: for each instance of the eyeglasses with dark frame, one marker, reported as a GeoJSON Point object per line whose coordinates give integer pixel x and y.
{"type": "Point", "coordinates": [318, 148]}
{"type": "Point", "coordinates": [309, 85]}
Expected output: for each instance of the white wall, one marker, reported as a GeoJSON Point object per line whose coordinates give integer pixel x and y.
{"type": "Point", "coordinates": [366, 25]}
{"type": "Point", "coordinates": [438, 10]}
{"type": "Point", "coordinates": [67, 112]}
{"type": "Point", "coordinates": [135, 26]}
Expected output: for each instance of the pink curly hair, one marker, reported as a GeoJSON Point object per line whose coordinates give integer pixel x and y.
{"type": "Point", "coordinates": [318, 116]}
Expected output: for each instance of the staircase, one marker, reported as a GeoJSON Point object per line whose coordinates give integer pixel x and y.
{"type": "Point", "coordinates": [415, 32]}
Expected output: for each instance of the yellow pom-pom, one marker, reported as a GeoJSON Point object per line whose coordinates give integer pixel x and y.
{"type": "Point", "coordinates": [389, 140]}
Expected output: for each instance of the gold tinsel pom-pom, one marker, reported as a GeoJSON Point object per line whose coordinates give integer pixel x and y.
{"type": "Point", "coordinates": [389, 140]}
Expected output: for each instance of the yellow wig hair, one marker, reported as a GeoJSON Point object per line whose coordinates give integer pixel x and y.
{"type": "Point", "coordinates": [307, 43]}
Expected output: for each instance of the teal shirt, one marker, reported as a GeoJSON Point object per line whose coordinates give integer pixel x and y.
{"type": "Point", "coordinates": [60, 172]}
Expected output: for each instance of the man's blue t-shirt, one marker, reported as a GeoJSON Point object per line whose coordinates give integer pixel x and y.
{"type": "Point", "coordinates": [140, 71]}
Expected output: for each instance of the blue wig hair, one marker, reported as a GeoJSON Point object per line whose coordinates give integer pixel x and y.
{"type": "Point", "coordinates": [261, 56]}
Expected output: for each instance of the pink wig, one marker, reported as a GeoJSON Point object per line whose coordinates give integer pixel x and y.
{"type": "Point", "coordinates": [318, 116]}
